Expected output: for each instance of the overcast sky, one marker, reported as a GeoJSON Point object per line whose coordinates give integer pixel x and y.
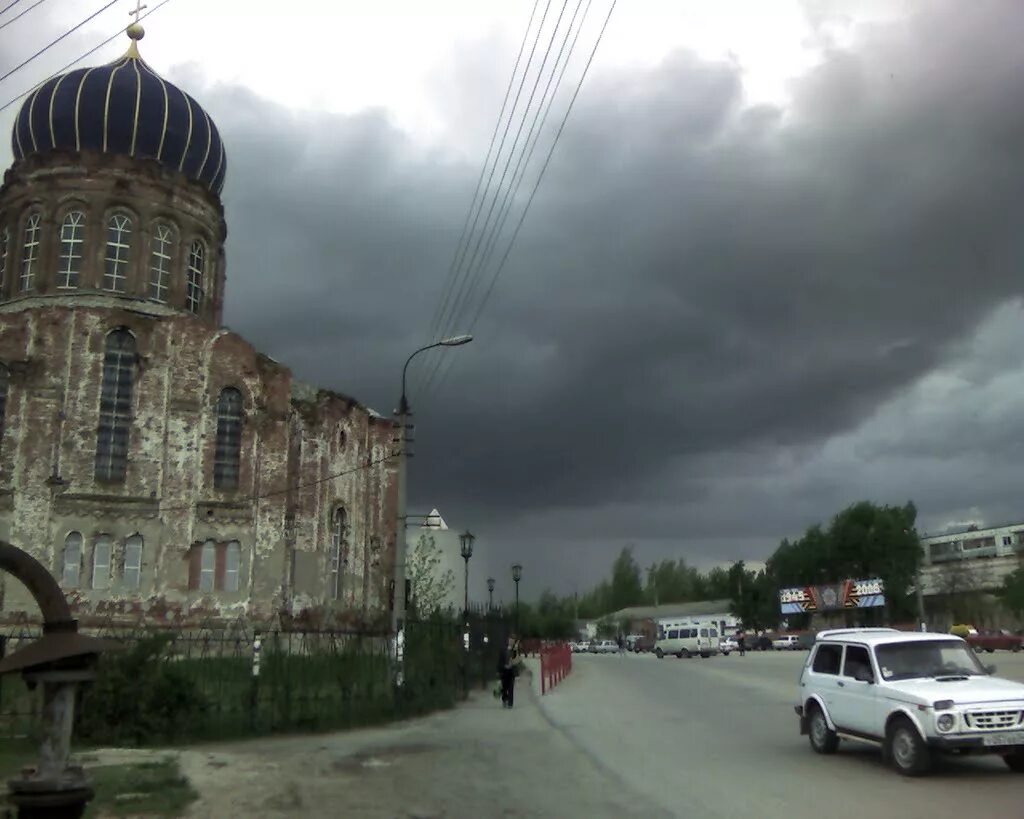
{"type": "Point", "coordinates": [774, 266]}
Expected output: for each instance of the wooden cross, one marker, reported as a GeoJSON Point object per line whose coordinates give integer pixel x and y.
{"type": "Point", "coordinates": [139, 6]}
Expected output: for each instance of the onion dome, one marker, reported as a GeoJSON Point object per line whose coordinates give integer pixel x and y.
{"type": "Point", "coordinates": [123, 108]}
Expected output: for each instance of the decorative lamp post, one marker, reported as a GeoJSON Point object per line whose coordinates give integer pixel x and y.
{"type": "Point", "coordinates": [490, 593]}
{"type": "Point", "coordinates": [404, 414]}
{"type": "Point", "coordinates": [517, 575]}
{"type": "Point", "coordinates": [466, 550]}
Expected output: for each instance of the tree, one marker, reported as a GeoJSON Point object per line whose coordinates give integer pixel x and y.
{"type": "Point", "coordinates": [1012, 592]}
{"type": "Point", "coordinates": [430, 586]}
{"type": "Point", "coordinates": [626, 586]}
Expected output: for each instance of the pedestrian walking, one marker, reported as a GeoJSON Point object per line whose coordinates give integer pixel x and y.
{"type": "Point", "coordinates": [508, 668]}
{"type": "Point", "coordinates": [622, 646]}
{"type": "Point", "coordinates": [741, 642]}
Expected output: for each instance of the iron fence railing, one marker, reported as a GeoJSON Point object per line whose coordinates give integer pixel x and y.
{"type": "Point", "coordinates": [220, 682]}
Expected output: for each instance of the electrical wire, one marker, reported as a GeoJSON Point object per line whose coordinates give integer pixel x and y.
{"type": "Point", "coordinates": [532, 139]}
{"type": "Point", "coordinates": [445, 322]}
{"type": "Point", "coordinates": [18, 16]}
{"type": "Point", "coordinates": [540, 177]}
{"type": "Point", "coordinates": [9, 6]}
{"type": "Point", "coordinates": [469, 278]}
{"type": "Point", "coordinates": [93, 50]}
{"type": "Point", "coordinates": [52, 43]}
{"type": "Point", "coordinates": [456, 257]}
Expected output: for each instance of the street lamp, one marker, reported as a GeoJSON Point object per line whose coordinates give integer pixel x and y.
{"type": "Point", "coordinates": [517, 575]}
{"type": "Point", "coordinates": [466, 550]}
{"type": "Point", "coordinates": [398, 606]}
{"type": "Point", "coordinates": [490, 593]}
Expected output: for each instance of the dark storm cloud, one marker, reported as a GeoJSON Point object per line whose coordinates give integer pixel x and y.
{"type": "Point", "coordinates": [694, 279]}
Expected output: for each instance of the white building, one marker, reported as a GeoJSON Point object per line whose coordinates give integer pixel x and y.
{"type": "Point", "coordinates": [437, 538]}
{"type": "Point", "coordinates": [972, 559]}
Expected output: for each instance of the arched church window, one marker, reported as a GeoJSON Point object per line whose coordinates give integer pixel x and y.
{"type": "Point", "coordinates": [119, 234]}
{"type": "Point", "coordinates": [72, 236]}
{"type": "Point", "coordinates": [5, 240]}
{"type": "Point", "coordinates": [160, 261]}
{"type": "Point", "coordinates": [196, 269]}
{"type": "Point", "coordinates": [101, 553]}
{"type": "Point", "coordinates": [229, 439]}
{"type": "Point", "coordinates": [30, 251]}
{"type": "Point", "coordinates": [132, 562]}
{"type": "Point", "coordinates": [5, 379]}
{"type": "Point", "coordinates": [71, 560]}
{"type": "Point", "coordinates": [336, 553]}
{"type": "Point", "coordinates": [115, 406]}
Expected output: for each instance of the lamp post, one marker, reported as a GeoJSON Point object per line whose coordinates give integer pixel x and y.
{"type": "Point", "coordinates": [403, 412]}
{"type": "Point", "coordinates": [517, 575]}
{"type": "Point", "coordinates": [490, 593]}
{"type": "Point", "coordinates": [466, 550]}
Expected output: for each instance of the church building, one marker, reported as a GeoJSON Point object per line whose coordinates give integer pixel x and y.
{"type": "Point", "coordinates": [158, 464]}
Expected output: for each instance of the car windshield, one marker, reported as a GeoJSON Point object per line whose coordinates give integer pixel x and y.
{"type": "Point", "coordinates": [927, 658]}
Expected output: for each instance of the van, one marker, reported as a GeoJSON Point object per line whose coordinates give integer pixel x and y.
{"type": "Point", "coordinates": [684, 638]}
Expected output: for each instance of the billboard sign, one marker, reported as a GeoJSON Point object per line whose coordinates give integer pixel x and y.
{"type": "Point", "coordinates": [850, 594]}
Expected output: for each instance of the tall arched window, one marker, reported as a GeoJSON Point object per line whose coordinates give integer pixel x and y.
{"type": "Point", "coordinates": [336, 554]}
{"type": "Point", "coordinates": [115, 406]}
{"type": "Point", "coordinates": [119, 234]}
{"type": "Point", "coordinates": [208, 566]}
{"type": "Point", "coordinates": [160, 262]}
{"type": "Point", "coordinates": [71, 560]}
{"type": "Point", "coordinates": [5, 240]}
{"type": "Point", "coordinates": [30, 251]}
{"type": "Point", "coordinates": [5, 379]}
{"type": "Point", "coordinates": [72, 235]}
{"type": "Point", "coordinates": [132, 573]}
{"type": "Point", "coordinates": [101, 550]}
{"type": "Point", "coordinates": [232, 564]}
{"type": "Point", "coordinates": [229, 439]}
{"type": "Point", "coordinates": [196, 269]}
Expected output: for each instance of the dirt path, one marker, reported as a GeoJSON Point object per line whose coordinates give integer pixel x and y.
{"type": "Point", "coordinates": [477, 761]}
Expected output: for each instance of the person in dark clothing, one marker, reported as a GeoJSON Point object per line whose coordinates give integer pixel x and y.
{"type": "Point", "coordinates": [507, 668]}
{"type": "Point", "coordinates": [741, 642]}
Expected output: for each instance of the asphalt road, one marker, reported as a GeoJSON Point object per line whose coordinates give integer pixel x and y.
{"type": "Point", "coordinates": [718, 738]}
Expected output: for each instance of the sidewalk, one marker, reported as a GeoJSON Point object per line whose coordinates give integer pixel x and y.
{"type": "Point", "coordinates": [477, 761]}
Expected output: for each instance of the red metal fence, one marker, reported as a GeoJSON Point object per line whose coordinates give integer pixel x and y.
{"type": "Point", "coordinates": [555, 664]}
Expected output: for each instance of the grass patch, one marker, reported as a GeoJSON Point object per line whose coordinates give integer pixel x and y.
{"type": "Point", "coordinates": [148, 788]}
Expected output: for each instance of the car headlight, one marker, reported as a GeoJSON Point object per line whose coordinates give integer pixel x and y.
{"type": "Point", "coordinates": [945, 723]}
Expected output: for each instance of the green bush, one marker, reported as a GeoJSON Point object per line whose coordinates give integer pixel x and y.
{"type": "Point", "coordinates": [140, 695]}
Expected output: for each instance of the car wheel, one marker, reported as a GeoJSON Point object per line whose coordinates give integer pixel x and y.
{"type": "Point", "coordinates": [1015, 649]}
{"type": "Point", "coordinates": [906, 749]}
{"type": "Point", "coordinates": [990, 650]}
{"type": "Point", "coordinates": [1015, 762]}
{"type": "Point", "coordinates": [823, 739]}
{"type": "Point", "coordinates": [659, 653]}
{"type": "Point", "coordinates": [725, 653]}
{"type": "Point", "coordinates": [686, 653]}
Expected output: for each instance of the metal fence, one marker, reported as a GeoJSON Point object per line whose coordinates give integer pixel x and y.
{"type": "Point", "coordinates": [221, 682]}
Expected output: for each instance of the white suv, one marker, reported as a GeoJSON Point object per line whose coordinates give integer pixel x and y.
{"type": "Point", "coordinates": [911, 693]}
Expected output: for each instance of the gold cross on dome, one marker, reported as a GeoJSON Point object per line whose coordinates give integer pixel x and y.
{"type": "Point", "coordinates": [139, 6]}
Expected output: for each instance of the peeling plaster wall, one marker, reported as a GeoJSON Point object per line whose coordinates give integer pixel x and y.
{"type": "Point", "coordinates": [291, 445]}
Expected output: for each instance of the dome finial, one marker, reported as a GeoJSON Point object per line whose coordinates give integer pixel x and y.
{"type": "Point", "coordinates": [135, 31]}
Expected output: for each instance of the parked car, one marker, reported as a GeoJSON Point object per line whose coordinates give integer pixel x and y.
{"type": "Point", "coordinates": [760, 642]}
{"type": "Point", "coordinates": [604, 647]}
{"type": "Point", "coordinates": [727, 644]}
{"type": "Point", "coordinates": [580, 646]}
{"type": "Point", "coordinates": [787, 642]}
{"type": "Point", "coordinates": [914, 694]}
{"type": "Point", "coordinates": [991, 640]}
{"type": "Point", "coordinates": [644, 643]}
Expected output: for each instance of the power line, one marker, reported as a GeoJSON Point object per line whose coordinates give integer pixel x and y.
{"type": "Point", "coordinates": [540, 177]}
{"type": "Point", "coordinates": [456, 258]}
{"type": "Point", "coordinates": [78, 59]}
{"type": "Point", "coordinates": [18, 16]}
{"type": "Point", "coordinates": [540, 118]}
{"type": "Point", "coordinates": [52, 43]}
{"type": "Point", "coordinates": [9, 6]}
{"type": "Point", "coordinates": [443, 321]}
{"type": "Point", "coordinates": [467, 281]}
